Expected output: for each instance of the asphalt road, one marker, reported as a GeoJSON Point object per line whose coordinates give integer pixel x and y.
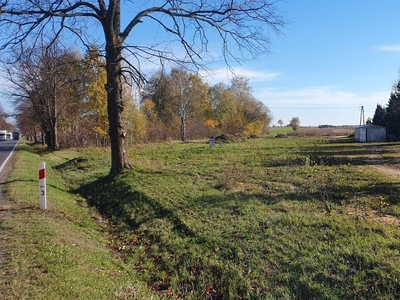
{"type": "Point", "coordinates": [6, 206]}
{"type": "Point", "coordinates": [6, 149]}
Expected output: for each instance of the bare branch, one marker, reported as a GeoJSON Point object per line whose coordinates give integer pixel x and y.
{"type": "Point", "coordinates": [241, 28]}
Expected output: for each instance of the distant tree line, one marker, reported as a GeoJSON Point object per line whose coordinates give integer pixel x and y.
{"type": "Point", "coordinates": [389, 115]}
{"type": "Point", "coordinates": [241, 27]}
{"type": "Point", "coordinates": [60, 94]}
{"type": "Point", "coordinates": [4, 124]}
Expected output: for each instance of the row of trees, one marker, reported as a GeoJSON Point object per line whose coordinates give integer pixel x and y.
{"type": "Point", "coordinates": [60, 93]}
{"type": "Point", "coordinates": [389, 115]}
{"type": "Point", "coordinates": [294, 123]}
{"type": "Point", "coordinates": [183, 103]}
{"type": "Point", "coordinates": [182, 35]}
{"type": "Point", "coordinates": [4, 124]}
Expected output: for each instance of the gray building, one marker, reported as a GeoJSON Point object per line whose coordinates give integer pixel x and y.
{"type": "Point", "coordinates": [370, 133]}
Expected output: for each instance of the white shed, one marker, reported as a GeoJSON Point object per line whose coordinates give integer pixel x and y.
{"type": "Point", "coordinates": [370, 133]}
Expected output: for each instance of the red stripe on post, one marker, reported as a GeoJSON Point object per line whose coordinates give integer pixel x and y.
{"type": "Point", "coordinates": [42, 174]}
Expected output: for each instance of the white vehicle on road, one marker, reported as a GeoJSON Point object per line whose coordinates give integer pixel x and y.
{"type": "Point", "coordinates": [3, 135]}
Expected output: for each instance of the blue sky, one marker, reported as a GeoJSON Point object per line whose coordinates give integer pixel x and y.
{"type": "Point", "coordinates": [334, 57]}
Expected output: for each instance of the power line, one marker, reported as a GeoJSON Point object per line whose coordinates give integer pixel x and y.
{"type": "Point", "coordinates": [336, 107]}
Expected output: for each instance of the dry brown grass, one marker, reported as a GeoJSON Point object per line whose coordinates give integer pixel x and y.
{"type": "Point", "coordinates": [333, 131]}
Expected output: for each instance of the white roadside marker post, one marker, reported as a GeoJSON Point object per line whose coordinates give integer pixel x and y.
{"type": "Point", "coordinates": [42, 186]}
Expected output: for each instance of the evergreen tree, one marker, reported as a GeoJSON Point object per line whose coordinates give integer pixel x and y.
{"type": "Point", "coordinates": [393, 113]}
{"type": "Point", "coordinates": [379, 116]}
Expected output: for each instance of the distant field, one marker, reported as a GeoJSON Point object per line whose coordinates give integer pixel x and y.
{"type": "Point", "coordinates": [313, 131]}
{"type": "Point", "coordinates": [332, 131]}
{"type": "Point", "coordinates": [265, 218]}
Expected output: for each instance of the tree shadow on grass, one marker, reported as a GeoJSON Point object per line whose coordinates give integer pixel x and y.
{"type": "Point", "coordinates": [28, 181]}
{"type": "Point", "coordinates": [389, 190]}
{"type": "Point", "coordinates": [125, 206]}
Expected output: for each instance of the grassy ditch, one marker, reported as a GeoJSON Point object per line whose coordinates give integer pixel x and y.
{"type": "Point", "coordinates": [260, 219]}
{"type": "Point", "coordinates": [60, 253]}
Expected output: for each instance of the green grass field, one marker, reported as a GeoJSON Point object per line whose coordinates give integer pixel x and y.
{"type": "Point", "coordinates": [266, 218]}
{"type": "Point", "coordinates": [280, 130]}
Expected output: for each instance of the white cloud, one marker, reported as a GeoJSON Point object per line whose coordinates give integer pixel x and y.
{"type": "Point", "coordinates": [323, 97]}
{"type": "Point", "coordinates": [321, 104]}
{"type": "Point", "coordinates": [388, 48]}
{"type": "Point", "coordinates": [226, 74]}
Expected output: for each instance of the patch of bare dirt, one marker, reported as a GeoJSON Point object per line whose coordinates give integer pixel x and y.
{"type": "Point", "coordinates": [370, 214]}
{"type": "Point", "coordinates": [376, 160]}
{"type": "Point", "coordinates": [391, 168]}
{"type": "Point", "coordinates": [388, 170]}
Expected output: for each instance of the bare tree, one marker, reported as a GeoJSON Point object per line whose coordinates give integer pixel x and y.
{"type": "Point", "coordinates": [45, 79]}
{"type": "Point", "coordinates": [242, 27]}
{"type": "Point", "coordinates": [27, 120]}
{"type": "Point", "coordinates": [4, 125]}
{"type": "Point", "coordinates": [187, 91]}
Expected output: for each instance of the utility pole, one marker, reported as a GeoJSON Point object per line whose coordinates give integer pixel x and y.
{"type": "Point", "coordinates": [362, 119]}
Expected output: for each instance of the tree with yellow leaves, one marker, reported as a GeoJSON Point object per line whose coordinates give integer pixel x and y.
{"type": "Point", "coordinates": [96, 95]}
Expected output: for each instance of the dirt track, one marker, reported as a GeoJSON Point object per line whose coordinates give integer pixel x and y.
{"type": "Point", "coordinates": [375, 159]}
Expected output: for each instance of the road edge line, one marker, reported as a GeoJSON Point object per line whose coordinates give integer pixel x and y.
{"type": "Point", "coordinates": [8, 157]}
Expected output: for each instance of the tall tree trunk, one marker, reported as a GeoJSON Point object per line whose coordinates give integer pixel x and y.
{"type": "Point", "coordinates": [46, 138]}
{"type": "Point", "coordinates": [115, 105]}
{"type": "Point", "coordinates": [53, 134]}
{"type": "Point", "coordinates": [183, 129]}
